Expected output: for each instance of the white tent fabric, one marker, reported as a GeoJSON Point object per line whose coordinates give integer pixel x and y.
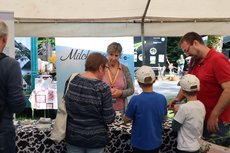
{"type": "Point", "coordinates": [118, 17]}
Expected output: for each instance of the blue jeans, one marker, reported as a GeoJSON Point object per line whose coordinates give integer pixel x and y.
{"type": "Point", "coordinates": [7, 142]}
{"type": "Point", "coordinates": [75, 149]}
{"type": "Point", "coordinates": [221, 137]}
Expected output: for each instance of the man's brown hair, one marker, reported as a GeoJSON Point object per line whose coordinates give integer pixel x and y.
{"type": "Point", "coordinates": [190, 37]}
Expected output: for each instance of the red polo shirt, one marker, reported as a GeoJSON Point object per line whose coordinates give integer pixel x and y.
{"type": "Point", "coordinates": [212, 71]}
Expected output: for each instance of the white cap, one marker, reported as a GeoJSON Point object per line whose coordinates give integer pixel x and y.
{"type": "Point", "coordinates": [189, 83]}
{"type": "Point", "coordinates": [144, 72]}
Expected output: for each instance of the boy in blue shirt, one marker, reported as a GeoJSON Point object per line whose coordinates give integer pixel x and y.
{"type": "Point", "coordinates": [147, 112]}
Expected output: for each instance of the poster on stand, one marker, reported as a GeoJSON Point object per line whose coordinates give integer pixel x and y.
{"type": "Point", "coordinates": [155, 51]}
{"type": "Point", "coordinates": [8, 18]}
{"type": "Point", "coordinates": [44, 95]}
{"type": "Point", "coordinates": [23, 56]}
{"type": "Point", "coordinates": [72, 52]}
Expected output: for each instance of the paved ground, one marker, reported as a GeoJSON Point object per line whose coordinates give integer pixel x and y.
{"type": "Point", "coordinates": [168, 88]}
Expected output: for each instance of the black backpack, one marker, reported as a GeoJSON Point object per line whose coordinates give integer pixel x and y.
{"type": "Point", "coordinates": [2, 101]}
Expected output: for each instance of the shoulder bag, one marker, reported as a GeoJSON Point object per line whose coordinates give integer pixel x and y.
{"type": "Point", "coordinates": [59, 127]}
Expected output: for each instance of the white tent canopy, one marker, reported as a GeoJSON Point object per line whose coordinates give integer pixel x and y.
{"type": "Point", "coordinates": [47, 18]}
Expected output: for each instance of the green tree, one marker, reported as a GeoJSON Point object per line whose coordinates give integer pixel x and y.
{"type": "Point", "coordinates": [215, 42]}
{"type": "Point", "coordinates": [42, 40]}
{"type": "Point", "coordinates": [173, 50]}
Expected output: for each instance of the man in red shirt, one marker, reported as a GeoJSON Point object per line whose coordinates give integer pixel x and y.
{"type": "Point", "coordinates": [213, 70]}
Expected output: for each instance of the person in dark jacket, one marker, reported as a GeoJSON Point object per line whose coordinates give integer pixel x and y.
{"type": "Point", "coordinates": [11, 94]}
{"type": "Point", "coordinates": [89, 108]}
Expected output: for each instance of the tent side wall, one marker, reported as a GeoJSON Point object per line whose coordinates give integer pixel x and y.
{"type": "Point", "coordinates": [180, 28]}
{"type": "Point", "coordinates": [76, 29]}
{"type": "Point", "coordinates": [119, 29]}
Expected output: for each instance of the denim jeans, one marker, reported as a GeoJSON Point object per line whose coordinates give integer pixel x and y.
{"type": "Point", "coordinates": [7, 142]}
{"type": "Point", "coordinates": [222, 137]}
{"type": "Point", "coordinates": [75, 149]}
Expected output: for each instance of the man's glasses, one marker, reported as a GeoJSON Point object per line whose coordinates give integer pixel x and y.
{"type": "Point", "coordinates": [187, 50]}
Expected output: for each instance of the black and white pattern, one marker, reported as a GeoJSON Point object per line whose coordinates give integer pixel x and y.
{"type": "Point", "coordinates": [30, 139]}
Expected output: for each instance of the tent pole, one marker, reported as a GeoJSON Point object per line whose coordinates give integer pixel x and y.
{"type": "Point", "coordinates": [143, 43]}
{"type": "Point", "coordinates": [143, 33]}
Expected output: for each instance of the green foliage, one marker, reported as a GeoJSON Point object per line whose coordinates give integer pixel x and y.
{"type": "Point", "coordinates": [173, 50]}
{"type": "Point", "coordinates": [213, 40]}
{"type": "Point", "coordinates": [42, 40]}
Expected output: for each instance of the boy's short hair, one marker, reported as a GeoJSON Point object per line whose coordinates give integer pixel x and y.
{"type": "Point", "coordinates": [189, 83]}
{"type": "Point", "coordinates": [145, 75]}
{"type": "Point", "coordinates": [190, 93]}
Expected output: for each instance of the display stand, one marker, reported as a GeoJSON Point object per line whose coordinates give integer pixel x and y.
{"type": "Point", "coordinates": [44, 95]}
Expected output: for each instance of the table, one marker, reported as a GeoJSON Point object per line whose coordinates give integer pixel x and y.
{"type": "Point", "coordinates": [30, 139]}
{"type": "Point", "coordinates": [120, 135]}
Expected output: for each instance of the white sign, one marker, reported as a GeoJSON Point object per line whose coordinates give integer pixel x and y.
{"type": "Point", "coordinates": [161, 58]}
{"type": "Point", "coordinates": [72, 53]}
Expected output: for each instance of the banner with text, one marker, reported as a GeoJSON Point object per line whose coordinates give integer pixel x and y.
{"type": "Point", "coordinates": [72, 53]}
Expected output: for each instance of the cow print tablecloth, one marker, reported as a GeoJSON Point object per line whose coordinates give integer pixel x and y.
{"type": "Point", "coordinates": [30, 139]}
